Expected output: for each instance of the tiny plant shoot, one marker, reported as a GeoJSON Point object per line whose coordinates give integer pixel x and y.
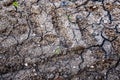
{"type": "Point", "coordinates": [57, 51]}
{"type": "Point", "coordinates": [15, 4]}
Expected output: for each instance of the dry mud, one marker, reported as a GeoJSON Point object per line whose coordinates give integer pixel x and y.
{"type": "Point", "coordinates": [60, 40]}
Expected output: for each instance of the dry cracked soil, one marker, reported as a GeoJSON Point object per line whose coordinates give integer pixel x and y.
{"type": "Point", "coordinates": [60, 40]}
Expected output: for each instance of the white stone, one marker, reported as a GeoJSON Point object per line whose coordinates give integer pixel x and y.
{"type": "Point", "coordinates": [105, 21]}
{"type": "Point", "coordinates": [74, 66]}
{"type": "Point", "coordinates": [26, 64]}
{"type": "Point", "coordinates": [35, 74]}
{"type": "Point", "coordinates": [103, 60]}
{"type": "Point", "coordinates": [33, 70]}
{"type": "Point", "coordinates": [119, 26]}
{"type": "Point", "coordinates": [34, 34]}
{"type": "Point", "coordinates": [91, 66]}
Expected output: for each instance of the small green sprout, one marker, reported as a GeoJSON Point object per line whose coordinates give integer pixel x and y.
{"type": "Point", "coordinates": [69, 17]}
{"type": "Point", "coordinates": [57, 51]}
{"type": "Point", "coordinates": [15, 4]}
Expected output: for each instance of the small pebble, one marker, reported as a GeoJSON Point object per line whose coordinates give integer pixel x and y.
{"type": "Point", "coordinates": [91, 66]}
{"type": "Point", "coordinates": [35, 74]}
{"type": "Point", "coordinates": [74, 66]}
{"type": "Point", "coordinates": [26, 64]}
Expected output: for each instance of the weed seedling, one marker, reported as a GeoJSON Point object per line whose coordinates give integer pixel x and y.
{"type": "Point", "coordinates": [57, 51]}
{"type": "Point", "coordinates": [15, 4]}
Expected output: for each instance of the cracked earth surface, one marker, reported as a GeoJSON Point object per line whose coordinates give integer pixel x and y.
{"type": "Point", "coordinates": [60, 40]}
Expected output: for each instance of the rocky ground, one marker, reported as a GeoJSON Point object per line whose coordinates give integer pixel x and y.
{"type": "Point", "coordinates": [60, 40]}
